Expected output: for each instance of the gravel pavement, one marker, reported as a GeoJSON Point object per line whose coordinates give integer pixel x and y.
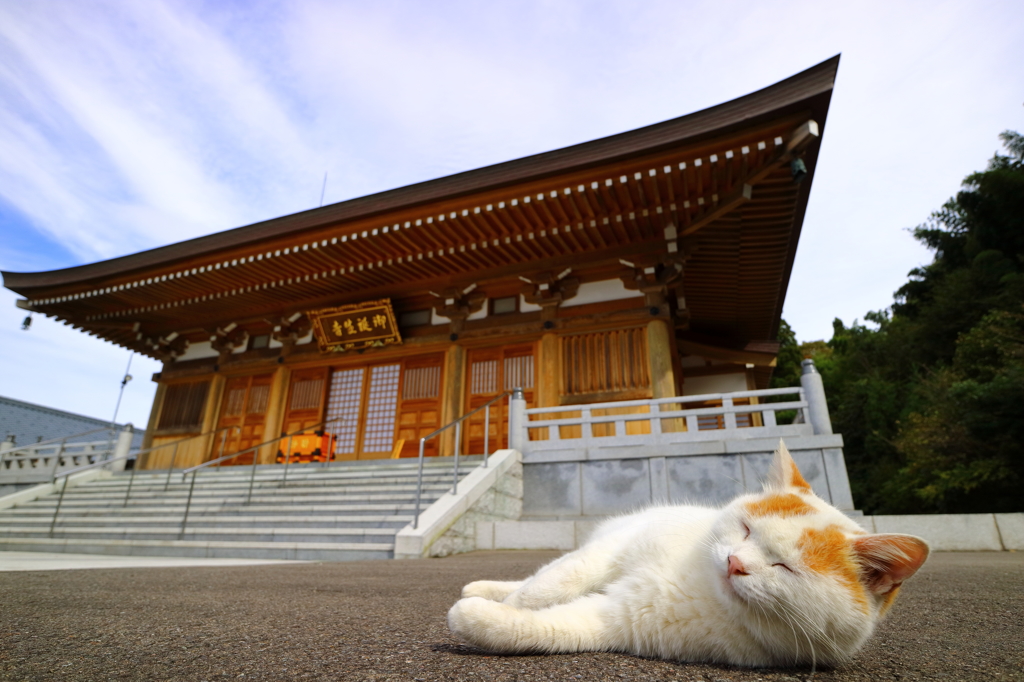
{"type": "Point", "coordinates": [961, 618]}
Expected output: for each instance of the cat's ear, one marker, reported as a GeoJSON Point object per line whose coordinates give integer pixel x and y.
{"type": "Point", "coordinates": [784, 473]}
{"type": "Point", "coordinates": [889, 559]}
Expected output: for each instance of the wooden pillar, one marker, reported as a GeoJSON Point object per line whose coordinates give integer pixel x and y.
{"type": "Point", "coordinates": [452, 395]}
{"type": "Point", "coordinates": [210, 415]}
{"type": "Point", "coordinates": [549, 371]}
{"type": "Point", "coordinates": [274, 418]}
{"type": "Point", "coordinates": [549, 378]}
{"type": "Point", "coordinates": [659, 358]}
{"type": "Point", "coordinates": [154, 416]}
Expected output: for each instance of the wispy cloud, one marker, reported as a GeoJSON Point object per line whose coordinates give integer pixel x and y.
{"type": "Point", "coordinates": [140, 125]}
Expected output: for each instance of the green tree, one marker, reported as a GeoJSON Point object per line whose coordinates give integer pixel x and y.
{"type": "Point", "coordinates": [963, 450]}
{"type": "Point", "coordinates": [930, 401]}
{"type": "Point", "coordinates": [787, 363]}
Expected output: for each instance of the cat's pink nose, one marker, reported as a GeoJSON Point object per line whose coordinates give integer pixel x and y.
{"type": "Point", "coordinates": [736, 566]}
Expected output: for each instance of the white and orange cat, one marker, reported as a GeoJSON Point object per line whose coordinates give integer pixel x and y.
{"type": "Point", "coordinates": [778, 578]}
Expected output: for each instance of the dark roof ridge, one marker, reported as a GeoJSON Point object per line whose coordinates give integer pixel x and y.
{"type": "Point", "coordinates": [54, 411]}
{"type": "Point", "coordinates": [816, 80]}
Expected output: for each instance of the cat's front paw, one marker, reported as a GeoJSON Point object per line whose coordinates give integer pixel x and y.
{"type": "Point", "coordinates": [494, 590]}
{"type": "Point", "coordinates": [479, 622]}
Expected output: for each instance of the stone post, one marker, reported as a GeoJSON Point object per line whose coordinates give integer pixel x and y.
{"type": "Point", "coordinates": [517, 435]}
{"type": "Point", "coordinates": [5, 446]}
{"type": "Point", "coordinates": [123, 447]}
{"type": "Point", "coordinates": [814, 393]}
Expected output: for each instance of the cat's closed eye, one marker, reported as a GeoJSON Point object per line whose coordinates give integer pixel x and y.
{"type": "Point", "coordinates": [780, 565]}
{"type": "Point", "coordinates": [746, 531]}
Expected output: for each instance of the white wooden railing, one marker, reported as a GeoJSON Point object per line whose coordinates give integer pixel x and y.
{"type": "Point", "coordinates": [739, 415]}
{"type": "Point", "coordinates": [41, 462]}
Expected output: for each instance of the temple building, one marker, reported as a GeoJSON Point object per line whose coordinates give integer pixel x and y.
{"type": "Point", "coordinates": [649, 264]}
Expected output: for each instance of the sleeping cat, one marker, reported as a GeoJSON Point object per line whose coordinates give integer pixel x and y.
{"type": "Point", "coordinates": [778, 578]}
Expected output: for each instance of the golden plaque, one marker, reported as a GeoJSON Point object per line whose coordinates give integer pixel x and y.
{"type": "Point", "coordinates": [355, 326]}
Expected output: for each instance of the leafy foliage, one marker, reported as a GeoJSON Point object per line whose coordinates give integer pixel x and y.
{"type": "Point", "coordinates": [930, 399]}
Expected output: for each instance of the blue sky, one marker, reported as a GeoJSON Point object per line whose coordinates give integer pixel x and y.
{"type": "Point", "coordinates": [125, 126]}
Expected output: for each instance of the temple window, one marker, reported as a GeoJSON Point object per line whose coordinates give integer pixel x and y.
{"type": "Point", "coordinates": [183, 405]}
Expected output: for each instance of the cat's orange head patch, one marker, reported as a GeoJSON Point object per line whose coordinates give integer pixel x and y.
{"type": "Point", "coordinates": [779, 504]}
{"type": "Point", "coordinates": [830, 553]}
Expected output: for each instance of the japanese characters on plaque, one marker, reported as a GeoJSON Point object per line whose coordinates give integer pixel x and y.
{"type": "Point", "coordinates": [351, 327]}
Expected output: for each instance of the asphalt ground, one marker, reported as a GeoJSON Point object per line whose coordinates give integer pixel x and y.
{"type": "Point", "coordinates": [960, 618]}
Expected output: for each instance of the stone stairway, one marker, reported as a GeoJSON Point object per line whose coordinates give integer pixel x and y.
{"type": "Point", "coordinates": [343, 512]}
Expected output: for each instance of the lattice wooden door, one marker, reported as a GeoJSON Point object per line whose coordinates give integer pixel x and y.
{"type": "Point", "coordinates": [244, 406]}
{"type": "Point", "coordinates": [419, 411]}
{"type": "Point", "coordinates": [304, 416]}
{"type": "Point", "coordinates": [493, 371]}
{"type": "Point", "coordinates": [370, 408]}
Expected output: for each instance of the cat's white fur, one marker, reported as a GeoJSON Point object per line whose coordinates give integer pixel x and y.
{"type": "Point", "coordinates": [779, 578]}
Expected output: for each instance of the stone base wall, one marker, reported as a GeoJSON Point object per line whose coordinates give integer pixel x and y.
{"type": "Point", "coordinates": [595, 484]}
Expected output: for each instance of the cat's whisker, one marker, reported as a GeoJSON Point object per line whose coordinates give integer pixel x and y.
{"type": "Point", "coordinates": [794, 619]}
{"type": "Point", "coordinates": [796, 639]}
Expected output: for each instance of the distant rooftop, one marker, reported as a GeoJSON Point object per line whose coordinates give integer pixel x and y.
{"type": "Point", "coordinates": [30, 423]}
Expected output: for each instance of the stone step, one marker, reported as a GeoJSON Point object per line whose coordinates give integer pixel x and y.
{"type": "Point", "coordinates": [295, 521]}
{"type": "Point", "coordinates": [285, 509]}
{"type": "Point", "coordinates": [120, 490]}
{"type": "Point", "coordinates": [121, 482]}
{"type": "Point", "coordinates": [243, 488]}
{"type": "Point", "coordinates": [303, 551]}
{"type": "Point", "coordinates": [337, 497]}
{"type": "Point", "coordinates": [254, 534]}
{"type": "Point", "coordinates": [335, 513]}
{"type": "Point", "coordinates": [383, 467]}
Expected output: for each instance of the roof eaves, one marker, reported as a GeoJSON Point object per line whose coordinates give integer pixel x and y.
{"type": "Point", "coordinates": [720, 119]}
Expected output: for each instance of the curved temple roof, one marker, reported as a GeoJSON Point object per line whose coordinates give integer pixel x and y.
{"type": "Point", "coordinates": [719, 179]}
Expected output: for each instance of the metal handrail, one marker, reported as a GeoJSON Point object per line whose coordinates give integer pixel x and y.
{"type": "Point", "coordinates": [458, 437]}
{"type": "Point", "coordinates": [131, 479]}
{"type": "Point", "coordinates": [255, 461]}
